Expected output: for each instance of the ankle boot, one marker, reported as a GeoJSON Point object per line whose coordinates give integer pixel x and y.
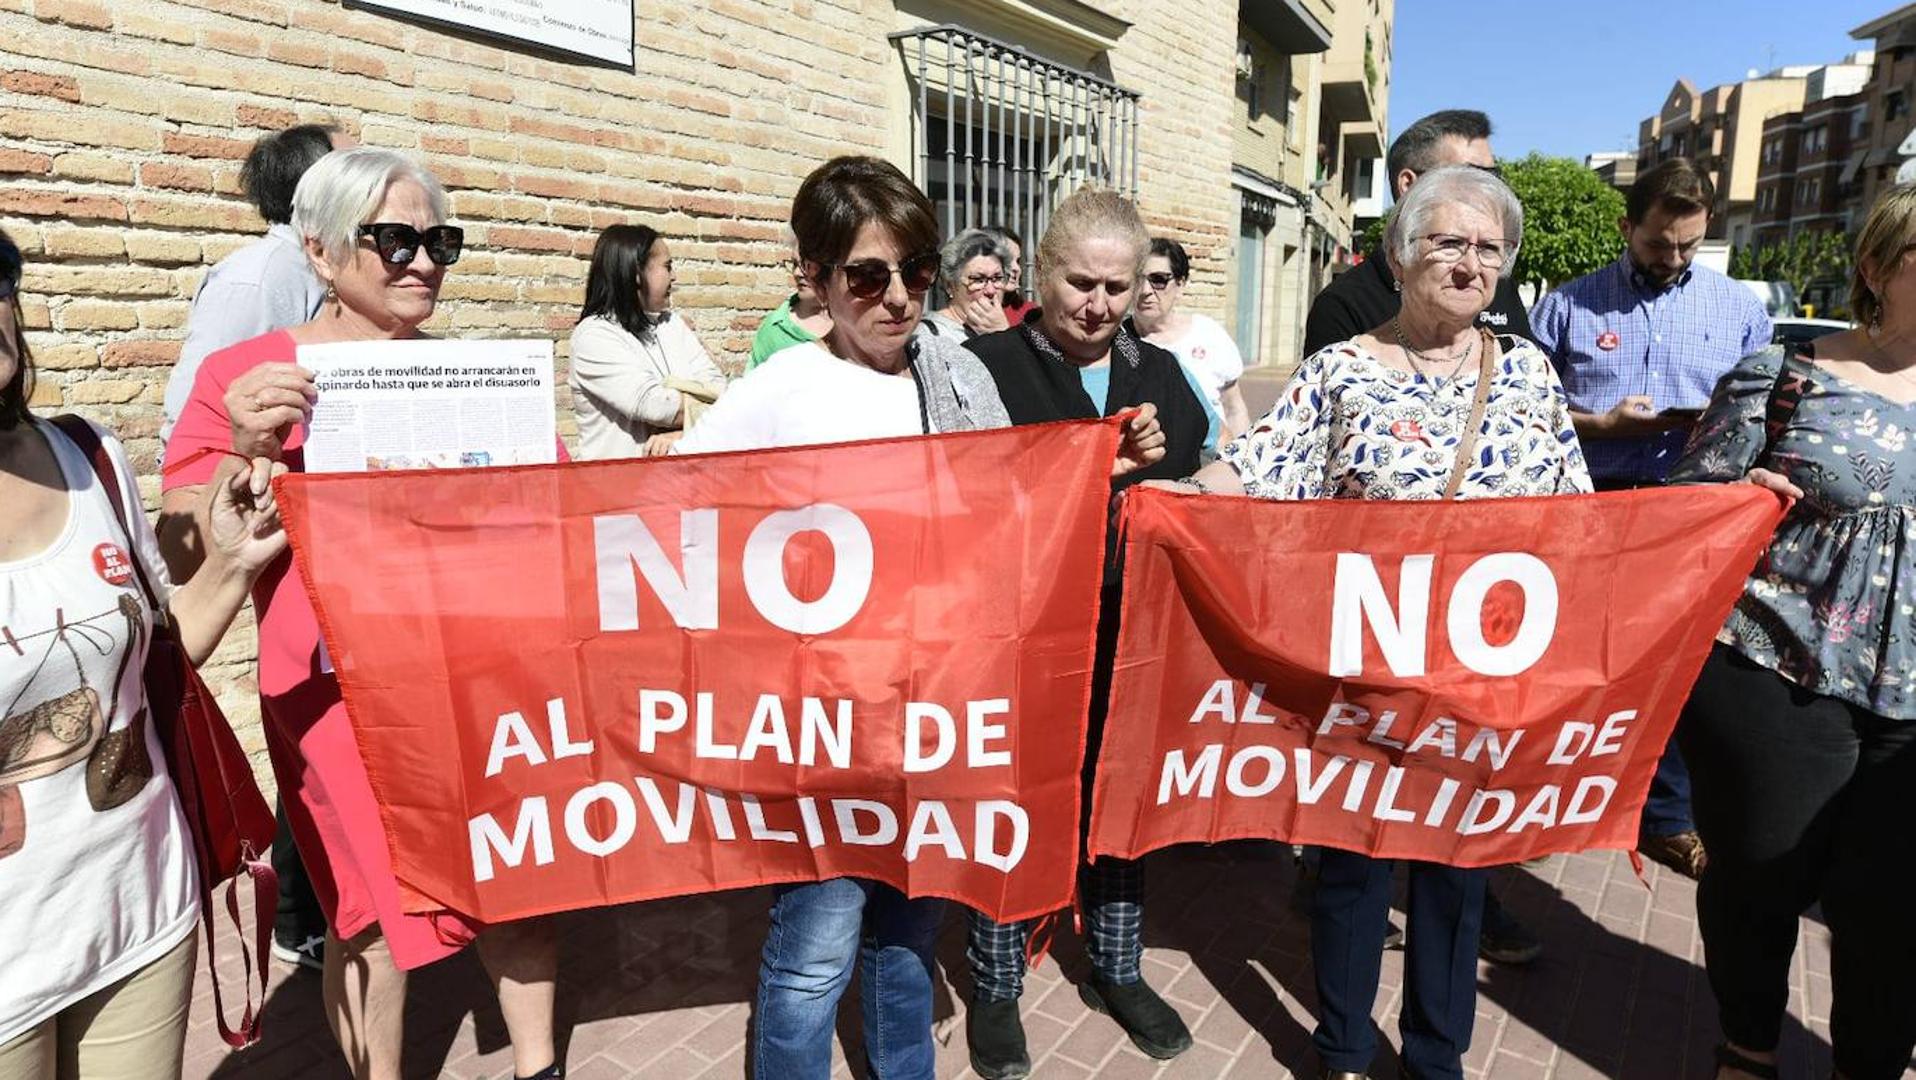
{"type": "Point", "coordinates": [996, 1037]}
{"type": "Point", "coordinates": [1154, 1026]}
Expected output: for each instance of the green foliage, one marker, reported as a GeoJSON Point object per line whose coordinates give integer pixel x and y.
{"type": "Point", "coordinates": [1802, 260]}
{"type": "Point", "coordinates": [1570, 219]}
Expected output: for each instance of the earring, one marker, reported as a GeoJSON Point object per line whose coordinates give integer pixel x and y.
{"type": "Point", "coordinates": [1396, 285]}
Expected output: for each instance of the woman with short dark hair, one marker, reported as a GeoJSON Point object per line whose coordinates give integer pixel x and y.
{"type": "Point", "coordinates": [868, 241]}
{"type": "Point", "coordinates": [639, 375]}
{"type": "Point", "coordinates": [1200, 344]}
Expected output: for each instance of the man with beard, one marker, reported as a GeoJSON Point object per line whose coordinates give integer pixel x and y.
{"type": "Point", "coordinates": [1639, 345]}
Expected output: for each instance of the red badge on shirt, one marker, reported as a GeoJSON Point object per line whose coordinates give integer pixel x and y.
{"type": "Point", "coordinates": [1608, 340]}
{"type": "Point", "coordinates": [1408, 431]}
{"type": "Point", "coordinates": [111, 562]}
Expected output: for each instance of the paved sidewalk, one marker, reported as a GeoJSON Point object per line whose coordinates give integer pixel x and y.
{"type": "Point", "coordinates": [663, 990]}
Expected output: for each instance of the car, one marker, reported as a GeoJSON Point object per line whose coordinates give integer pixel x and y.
{"type": "Point", "coordinates": [1777, 297]}
{"type": "Point", "coordinates": [1795, 333]}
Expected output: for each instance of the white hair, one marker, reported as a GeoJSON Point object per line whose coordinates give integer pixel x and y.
{"type": "Point", "coordinates": [1449, 185]}
{"type": "Point", "coordinates": [345, 187]}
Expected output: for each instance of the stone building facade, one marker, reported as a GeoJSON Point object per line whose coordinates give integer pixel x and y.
{"type": "Point", "coordinates": [122, 129]}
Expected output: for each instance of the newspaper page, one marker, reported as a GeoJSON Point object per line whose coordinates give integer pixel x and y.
{"type": "Point", "coordinates": [430, 405]}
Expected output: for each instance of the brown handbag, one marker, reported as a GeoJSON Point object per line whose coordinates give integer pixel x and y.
{"type": "Point", "coordinates": [1467, 444]}
{"type": "Point", "coordinates": [232, 825]}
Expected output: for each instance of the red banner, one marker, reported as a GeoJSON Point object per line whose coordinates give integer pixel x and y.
{"type": "Point", "coordinates": [1472, 683]}
{"type": "Point", "coordinates": [584, 684]}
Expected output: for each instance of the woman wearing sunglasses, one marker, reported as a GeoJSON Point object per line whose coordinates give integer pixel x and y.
{"type": "Point", "coordinates": [373, 223]}
{"type": "Point", "coordinates": [1200, 344]}
{"type": "Point", "coordinates": [868, 242]}
{"type": "Point", "coordinates": [639, 375]}
{"type": "Point", "coordinates": [972, 268]}
{"type": "Point", "coordinates": [1077, 360]}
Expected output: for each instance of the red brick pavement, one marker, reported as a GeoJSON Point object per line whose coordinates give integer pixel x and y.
{"type": "Point", "coordinates": [662, 990]}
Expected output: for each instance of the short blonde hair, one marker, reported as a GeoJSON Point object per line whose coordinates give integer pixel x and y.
{"type": "Point", "coordinates": [1091, 213]}
{"type": "Point", "coordinates": [337, 194]}
{"type": "Point", "coordinates": [1889, 231]}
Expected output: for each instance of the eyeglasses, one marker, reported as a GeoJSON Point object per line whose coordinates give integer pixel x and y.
{"type": "Point", "coordinates": [982, 281]}
{"type": "Point", "coordinates": [1491, 254]}
{"type": "Point", "coordinates": [867, 279]}
{"type": "Point", "coordinates": [398, 242]}
{"type": "Point", "coordinates": [1160, 281]}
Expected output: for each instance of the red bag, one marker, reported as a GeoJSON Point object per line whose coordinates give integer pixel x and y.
{"type": "Point", "coordinates": [231, 824]}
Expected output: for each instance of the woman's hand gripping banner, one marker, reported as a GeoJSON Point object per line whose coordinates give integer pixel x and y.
{"type": "Point", "coordinates": [1472, 683]}
{"type": "Point", "coordinates": [586, 684]}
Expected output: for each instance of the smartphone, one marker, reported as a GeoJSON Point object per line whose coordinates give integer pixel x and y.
{"type": "Point", "coordinates": [1691, 414]}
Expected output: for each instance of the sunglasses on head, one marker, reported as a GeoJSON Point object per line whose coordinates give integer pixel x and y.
{"type": "Point", "coordinates": [398, 243]}
{"type": "Point", "coordinates": [868, 279]}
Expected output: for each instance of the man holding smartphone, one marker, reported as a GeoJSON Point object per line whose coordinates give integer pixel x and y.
{"type": "Point", "coordinates": [1639, 345]}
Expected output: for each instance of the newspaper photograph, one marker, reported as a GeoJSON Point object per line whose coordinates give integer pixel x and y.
{"type": "Point", "coordinates": [430, 405]}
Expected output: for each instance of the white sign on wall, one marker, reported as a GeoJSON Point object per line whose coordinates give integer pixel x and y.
{"type": "Point", "coordinates": [601, 29]}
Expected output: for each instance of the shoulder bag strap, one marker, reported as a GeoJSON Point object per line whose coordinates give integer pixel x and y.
{"type": "Point", "coordinates": [1786, 393]}
{"type": "Point", "coordinates": [1467, 443]}
{"type": "Point", "coordinates": [108, 475]}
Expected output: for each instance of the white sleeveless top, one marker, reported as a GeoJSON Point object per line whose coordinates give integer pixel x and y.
{"type": "Point", "coordinates": [96, 877]}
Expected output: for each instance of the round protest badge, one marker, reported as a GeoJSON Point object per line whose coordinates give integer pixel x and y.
{"type": "Point", "coordinates": [1608, 340]}
{"type": "Point", "coordinates": [112, 563]}
{"type": "Point", "coordinates": [1407, 431]}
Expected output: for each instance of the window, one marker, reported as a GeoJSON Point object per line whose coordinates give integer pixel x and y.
{"type": "Point", "coordinates": [1814, 140]}
{"type": "Point", "coordinates": [1895, 106]}
{"type": "Point", "coordinates": [1293, 127]}
{"type": "Point", "coordinates": [1002, 135]}
{"type": "Point", "coordinates": [1859, 121]}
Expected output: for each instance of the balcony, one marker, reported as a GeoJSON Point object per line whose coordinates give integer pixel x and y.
{"type": "Point", "coordinates": [1289, 26]}
{"type": "Point", "coordinates": [1353, 74]}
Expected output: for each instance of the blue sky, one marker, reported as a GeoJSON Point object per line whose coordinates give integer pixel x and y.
{"type": "Point", "coordinates": [1569, 77]}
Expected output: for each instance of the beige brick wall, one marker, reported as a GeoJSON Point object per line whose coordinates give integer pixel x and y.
{"type": "Point", "coordinates": [122, 128]}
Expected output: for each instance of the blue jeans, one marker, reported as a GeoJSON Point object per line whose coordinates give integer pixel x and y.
{"type": "Point", "coordinates": [817, 931]}
{"type": "Point", "coordinates": [1348, 917]}
{"type": "Point", "coordinates": [1667, 810]}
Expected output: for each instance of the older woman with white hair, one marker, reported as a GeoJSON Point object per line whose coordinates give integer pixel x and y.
{"type": "Point", "coordinates": [974, 268]}
{"type": "Point", "coordinates": [374, 226]}
{"type": "Point", "coordinates": [1426, 406]}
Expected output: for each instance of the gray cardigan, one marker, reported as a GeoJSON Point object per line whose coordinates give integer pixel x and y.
{"type": "Point", "coordinates": [959, 393]}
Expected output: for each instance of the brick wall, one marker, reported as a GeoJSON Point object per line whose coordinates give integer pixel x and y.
{"type": "Point", "coordinates": [123, 125]}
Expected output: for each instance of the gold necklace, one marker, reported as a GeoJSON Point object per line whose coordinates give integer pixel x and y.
{"type": "Point", "coordinates": [1418, 359]}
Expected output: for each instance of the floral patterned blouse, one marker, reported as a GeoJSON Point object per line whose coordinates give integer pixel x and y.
{"type": "Point", "coordinates": [1832, 605]}
{"type": "Point", "coordinates": [1350, 427]}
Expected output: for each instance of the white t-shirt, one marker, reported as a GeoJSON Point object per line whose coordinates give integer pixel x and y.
{"type": "Point", "coordinates": [96, 881]}
{"type": "Point", "coordinates": [618, 382]}
{"type": "Point", "coordinates": [1208, 353]}
{"type": "Point", "coordinates": [804, 396]}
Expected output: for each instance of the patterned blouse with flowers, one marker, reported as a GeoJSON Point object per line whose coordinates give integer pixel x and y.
{"type": "Point", "coordinates": [1832, 604]}
{"type": "Point", "coordinates": [1350, 427]}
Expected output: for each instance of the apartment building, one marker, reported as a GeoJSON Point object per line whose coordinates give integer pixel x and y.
{"type": "Point", "coordinates": [1721, 129]}
{"type": "Point", "coordinates": [1307, 145]}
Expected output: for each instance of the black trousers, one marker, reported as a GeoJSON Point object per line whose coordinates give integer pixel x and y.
{"type": "Point", "coordinates": [1802, 797]}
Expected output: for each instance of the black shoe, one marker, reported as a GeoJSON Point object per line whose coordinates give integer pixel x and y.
{"type": "Point", "coordinates": [1504, 940]}
{"type": "Point", "coordinates": [996, 1038]}
{"type": "Point", "coordinates": [1154, 1026]}
{"type": "Point", "coordinates": [307, 953]}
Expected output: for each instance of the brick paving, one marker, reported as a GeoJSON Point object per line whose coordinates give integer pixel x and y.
{"type": "Point", "coordinates": [662, 990]}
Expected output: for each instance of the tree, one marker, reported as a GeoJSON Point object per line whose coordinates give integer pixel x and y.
{"type": "Point", "coordinates": [1569, 219]}
{"type": "Point", "coordinates": [1801, 260]}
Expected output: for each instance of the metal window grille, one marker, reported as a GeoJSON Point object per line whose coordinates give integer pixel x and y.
{"type": "Point", "coordinates": [1001, 136]}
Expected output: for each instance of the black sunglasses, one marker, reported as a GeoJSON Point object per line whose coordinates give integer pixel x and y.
{"type": "Point", "coordinates": [398, 242]}
{"type": "Point", "coordinates": [868, 279]}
